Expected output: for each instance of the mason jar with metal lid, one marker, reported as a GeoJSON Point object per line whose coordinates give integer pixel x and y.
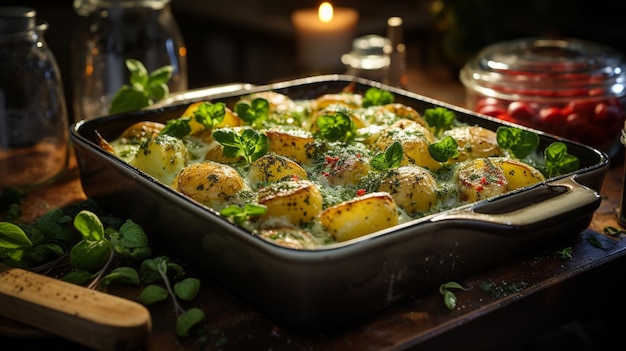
{"type": "Point", "coordinates": [33, 115]}
{"type": "Point", "coordinates": [567, 87]}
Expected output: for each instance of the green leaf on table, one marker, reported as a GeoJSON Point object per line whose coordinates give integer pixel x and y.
{"type": "Point", "coordinates": [152, 294]}
{"type": "Point", "coordinates": [89, 225]}
{"type": "Point", "coordinates": [187, 289]}
{"type": "Point", "coordinates": [13, 237]}
{"type": "Point", "coordinates": [188, 320]}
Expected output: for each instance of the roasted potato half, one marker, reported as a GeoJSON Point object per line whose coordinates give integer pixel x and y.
{"type": "Point", "coordinates": [296, 145]}
{"type": "Point", "coordinates": [210, 183]}
{"type": "Point", "coordinates": [295, 202]}
{"type": "Point", "coordinates": [518, 174]}
{"type": "Point", "coordinates": [360, 216]}
{"type": "Point", "coordinates": [474, 142]}
{"type": "Point", "coordinates": [273, 168]}
{"type": "Point", "coordinates": [480, 179]}
{"type": "Point", "coordinates": [414, 139]}
{"type": "Point", "coordinates": [161, 157]}
{"type": "Point", "coordinates": [412, 187]}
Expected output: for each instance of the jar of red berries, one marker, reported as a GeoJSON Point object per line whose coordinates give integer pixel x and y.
{"type": "Point", "coordinates": [567, 87]}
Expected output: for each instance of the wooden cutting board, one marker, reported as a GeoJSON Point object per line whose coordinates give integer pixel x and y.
{"type": "Point", "coordinates": [92, 318]}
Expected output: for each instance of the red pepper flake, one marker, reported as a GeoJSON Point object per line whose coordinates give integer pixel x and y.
{"type": "Point", "coordinates": [361, 192]}
{"type": "Point", "coordinates": [295, 178]}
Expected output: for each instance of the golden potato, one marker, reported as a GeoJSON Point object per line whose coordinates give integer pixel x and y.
{"type": "Point", "coordinates": [412, 187]}
{"type": "Point", "coordinates": [518, 174]}
{"type": "Point", "coordinates": [273, 168]}
{"type": "Point", "coordinates": [295, 201]}
{"type": "Point", "coordinates": [414, 139]}
{"type": "Point", "coordinates": [344, 170]}
{"type": "Point", "coordinates": [480, 179]}
{"type": "Point", "coordinates": [474, 142]}
{"type": "Point", "coordinates": [161, 157]}
{"type": "Point", "coordinates": [141, 131]}
{"type": "Point", "coordinates": [297, 145]}
{"type": "Point", "coordinates": [210, 183]}
{"type": "Point", "coordinates": [360, 216]}
{"type": "Point", "coordinates": [398, 111]}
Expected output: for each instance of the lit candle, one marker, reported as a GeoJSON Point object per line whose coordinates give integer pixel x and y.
{"type": "Point", "coordinates": [323, 35]}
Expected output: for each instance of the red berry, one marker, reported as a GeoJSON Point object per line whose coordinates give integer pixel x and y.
{"type": "Point", "coordinates": [491, 110]}
{"type": "Point", "coordinates": [521, 111]}
{"type": "Point", "coordinates": [551, 115]}
{"type": "Point", "coordinates": [605, 113]}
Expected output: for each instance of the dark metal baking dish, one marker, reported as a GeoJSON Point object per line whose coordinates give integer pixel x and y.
{"type": "Point", "coordinates": [313, 289]}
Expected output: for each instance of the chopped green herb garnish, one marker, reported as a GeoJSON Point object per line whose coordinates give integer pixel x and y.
{"type": "Point", "coordinates": [565, 253]}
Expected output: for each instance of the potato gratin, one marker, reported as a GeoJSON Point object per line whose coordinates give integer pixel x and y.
{"type": "Point", "coordinates": [307, 173]}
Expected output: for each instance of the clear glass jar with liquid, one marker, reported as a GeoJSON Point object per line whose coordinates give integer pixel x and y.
{"type": "Point", "coordinates": [33, 114]}
{"type": "Point", "coordinates": [110, 32]}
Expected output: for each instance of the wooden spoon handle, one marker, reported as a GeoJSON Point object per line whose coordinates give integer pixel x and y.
{"type": "Point", "coordinates": [89, 317]}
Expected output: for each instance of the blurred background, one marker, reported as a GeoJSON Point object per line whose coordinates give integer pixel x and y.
{"type": "Point", "coordinates": [253, 41]}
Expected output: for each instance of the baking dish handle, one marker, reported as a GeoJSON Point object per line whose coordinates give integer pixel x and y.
{"type": "Point", "coordinates": [548, 202]}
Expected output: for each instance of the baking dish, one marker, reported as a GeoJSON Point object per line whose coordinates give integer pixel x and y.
{"type": "Point", "coordinates": [313, 289]}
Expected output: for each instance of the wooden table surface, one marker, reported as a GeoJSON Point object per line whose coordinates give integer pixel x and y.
{"type": "Point", "coordinates": [558, 291]}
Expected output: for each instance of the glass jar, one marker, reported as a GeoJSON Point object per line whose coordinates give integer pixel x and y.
{"type": "Point", "coordinates": [566, 87]}
{"type": "Point", "coordinates": [110, 32]}
{"type": "Point", "coordinates": [33, 115]}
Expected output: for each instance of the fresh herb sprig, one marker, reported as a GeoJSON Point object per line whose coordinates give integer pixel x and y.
{"type": "Point", "coordinates": [240, 214]}
{"type": "Point", "coordinates": [389, 159]}
{"type": "Point", "coordinates": [335, 126]}
{"type": "Point", "coordinates": [444, 149]}
{"type": "Point", "coordinates": [144, 88]}
{"type": "Point", "coordinates": [253, 112]}
{"type": "Point", "coordinates": [440, 119]}
{"type": "Point", "coordinates": [558, 161]}
{"type": "Point", "coordinates": [250, 144]}
{"type": "Point", "coordinates": [519, 142]}
{"type": "Point", "coordinates": [376, 97]}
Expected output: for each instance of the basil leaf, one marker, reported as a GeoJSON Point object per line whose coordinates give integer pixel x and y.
{"type": "Point", "coordinates": [518, 141]}
{"type": "Point", "coordinates": [444, 149]}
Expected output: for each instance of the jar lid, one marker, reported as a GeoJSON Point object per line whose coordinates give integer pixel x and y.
{"type": "Point", "coordinates": [16, 19]}
{"type": "Point", "coordinates": [368, 52]}
{"type": "Point", "coordinates": [546, 67]}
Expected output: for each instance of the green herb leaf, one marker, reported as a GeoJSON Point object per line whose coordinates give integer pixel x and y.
{"type": "Point", "coordinates": [518, 141]}
{"type": "Point", "coordinates": [152, 294]}
{"type": "Point", "coordinates": [250, 144]}
{"type": "Point", "coordinates": [177, 128]}
{"type": "Point", "coordinates": [335, 126]}
{"type": "Point", "coordinates": [144, 88]}
{"type": "Point", "coordinates": [558, 161]}
{"type": "Point", "coordinates": [123, 275]}
{"type": "Point", "coordinates": [449, 299]}
{"type": "Point", "coordinates": [439, 118]}
{"type": "Point", "coordinates": [79, 277]}
{"type": "Point", "coordinates": [444, 149]}
{"type": "Point", "coordinates": [254, 112]}
{"type": "Point", "coordinates": [210, 115]}
{"type": "Point", "coordinates": [240, 214]}
{"type": "Point", "coordinates": [377, 97]}
{"type": "Point", "coordinates": [187, 289]}
{"type": "Point", "coordinates": [390, 159]}
{"type": "Point", "coordinates": [614, 232]}
{"type": "Point", "coordinates": [13, 237]}
{"type": "Point", "coordinates": [90, 255]}
{"type": "Point", "coordinates": [188, 320]}
{"type": "Point", "coordinates": [89, 225]}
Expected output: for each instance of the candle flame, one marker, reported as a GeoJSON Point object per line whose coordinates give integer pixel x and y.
{"type": "Point", "coordinates": [325, 12]}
